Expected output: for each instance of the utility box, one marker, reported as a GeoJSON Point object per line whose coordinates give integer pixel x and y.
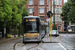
{"type": "Point", "coordinates": [0, 34]}
{"type": "Point", "coordinates": [9, 35]}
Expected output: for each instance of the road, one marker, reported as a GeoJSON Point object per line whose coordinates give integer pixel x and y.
{"type": "Point", "coordinates": [62, 42]}
{"type": "Point", "coordinates": [67, 40]}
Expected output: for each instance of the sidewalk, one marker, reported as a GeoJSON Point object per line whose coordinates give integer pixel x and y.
{"type": "Point", "coordinates": [2, 40]}
{"type": "Point", "coordinates": [7, 39]}
{"type": "Point", "coordinates": [49, 39]}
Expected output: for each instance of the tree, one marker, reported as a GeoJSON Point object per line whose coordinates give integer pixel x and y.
{"type": "Point", "coordinates": [17, 12]}
{"type": "Point", "coordinates": [11, 13]}
{"type": "Point", "coordinates": [24, 13]}
{"type": "Point", "coordinates": [68, 12]}
{"type": "Point", "coordinates": [5, 12]}
{"type": "Point", "coordinates": [71, 14]}
{"type": "Point", "coordinates": [65, 11]}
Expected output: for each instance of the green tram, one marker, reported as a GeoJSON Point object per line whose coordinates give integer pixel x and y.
{"type": "Point", "coordinates": [32, 29]}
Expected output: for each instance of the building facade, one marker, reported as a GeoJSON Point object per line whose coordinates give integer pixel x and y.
{"type": "Point", "coordinates": [57, 10]}
{"type": "Point", "coordinates": [41, 7]}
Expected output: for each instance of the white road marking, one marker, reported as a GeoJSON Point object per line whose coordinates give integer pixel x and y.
{"type": "Point", "coordinates": [40, 49]}
{"type": "Point", "coordinates": [62, 46]}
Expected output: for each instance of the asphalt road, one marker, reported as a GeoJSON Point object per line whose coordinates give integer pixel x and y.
{"type": "Point", "coordinates": [62, 42]}
{"type": "Point", "coordinates": [67, 40]}
{"type": "Point", "coordinates": [47, 45]}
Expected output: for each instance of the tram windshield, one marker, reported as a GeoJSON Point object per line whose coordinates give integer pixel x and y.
{"type": "Point", "coordinates": [31, 27]}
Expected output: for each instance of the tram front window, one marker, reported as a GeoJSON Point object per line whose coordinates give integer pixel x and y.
{"type": "Point", "coordinates": [31, 27]}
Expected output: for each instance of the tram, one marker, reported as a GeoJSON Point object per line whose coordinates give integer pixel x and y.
{"type": "Point", "coordinates": [32, 29]}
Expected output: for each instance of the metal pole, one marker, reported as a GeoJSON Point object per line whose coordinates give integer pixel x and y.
{"type": "Point", "coordinates": [4, 29]}
{"type": "Point", "coordinates": [50, 20]}
{"type": "Point", "coordinates": [50, 27]}
{"type": "Point", "coordinates": [54, 12]}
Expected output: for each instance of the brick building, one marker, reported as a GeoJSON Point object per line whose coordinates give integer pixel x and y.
{"type": "Point", "coordinates": [41, 7]}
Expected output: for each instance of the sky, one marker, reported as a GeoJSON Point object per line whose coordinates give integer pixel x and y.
{"type": "Point", "coordinates": [65, 1]}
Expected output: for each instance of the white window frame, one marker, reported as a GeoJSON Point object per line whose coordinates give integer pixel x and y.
{"type": "Point", "coordinates": [30, 2]}
{"type": "Point", "coordinates": [30, 10]}
{"type": "Point", "coordinates": [42, 1]}
{"type": "Point", "coordinates": [40, 11]}
{"type": "Point", "coordinates": [60, 2]}
{"type": "Point", "coordinates": [57, 10]}
{"type": "Point", "coordinates": [60, 10]}
{"type": "Point", "coordinates": [57, 2]}
{"type": "Point", "coordinates": [57, 18]}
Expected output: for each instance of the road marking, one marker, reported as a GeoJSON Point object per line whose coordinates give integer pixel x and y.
{"type": "Point", "coordinates": [62, 46]}
{"type": "Point", "coordinates": [41, 49]}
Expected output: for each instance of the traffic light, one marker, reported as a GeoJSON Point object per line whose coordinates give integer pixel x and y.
{"type": "Point", "coordinates": [48, 13]}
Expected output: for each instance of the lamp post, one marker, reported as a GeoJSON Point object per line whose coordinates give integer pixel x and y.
{"type": "Point", "coordinates": [4, 29]}
{"type": "Point", "coordinates": [54, 12]}
{"type": "Point", "coordinates": [50, 19]}
{"type": "Point", "coordinates": [18, 30]}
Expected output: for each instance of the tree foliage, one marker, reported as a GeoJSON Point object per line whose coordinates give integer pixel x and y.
{"type": "Point", "coordinates": [24, 13]}
{"type": "Point", "coordinates": [68, 11]}
{"type": "Point", "coordinates": [11, 12]}
{"type": "Point", "coordinates": [71, 14]}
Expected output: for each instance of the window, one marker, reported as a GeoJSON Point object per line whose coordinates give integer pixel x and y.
{"type": "Point", "coordinates": [56, 18]}
{"type": "Point", "coordinates": [53, 2]}
{"type": "Point", "coordinates": [60, 2]}
{"type": "Point", "coordinates": [47, 2]}
{"type": "Point", "coordinates": [42, 18]}
{"type": "Point", "coordinates": [60, 10]}
{"type": "Point", "coordinates": [41, 10]}
{"type": "Point", "coordinates": [57, 2]}
{"type": "Point", "coordinates": [30, 10]}
{"type": "Point", "coordinates": [57, 10]}
{"type": "Point", "coordinates": [53, 9]}
{"type": "Point", "coordinates": [41, 2]}
{"type": "Point", "coordinates": [30, 2]}
{"type": "Point", "coordinates": [47, 9]}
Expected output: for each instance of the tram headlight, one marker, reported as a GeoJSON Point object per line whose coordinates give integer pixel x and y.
{"type": "Point", "coordinates": [24, 35]}
{"type": "Point", "coordinates": [38, 34]}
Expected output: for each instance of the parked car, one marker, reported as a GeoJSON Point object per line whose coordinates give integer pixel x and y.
{"type": "Point", "coordinates": [55, 32]}
{"type": "Point", "coordinates": [69, 30]}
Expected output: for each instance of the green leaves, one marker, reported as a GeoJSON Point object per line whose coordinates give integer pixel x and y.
{"type": "Point", "coordinates": [69, 11]}
{"type": "Point", "coordinates": [24, 13]}
{"type": "Point", "coordinates": [11, 11]}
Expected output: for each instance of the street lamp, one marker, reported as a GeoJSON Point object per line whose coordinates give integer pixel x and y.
{"type": "Point", "coordinates": [54, 12]}
{"type": "Point", "coordinates": [4, 29]}
{"type": "Point", "coordinates": [18, 29]}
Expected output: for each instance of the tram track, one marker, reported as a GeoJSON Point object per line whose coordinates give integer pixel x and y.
{"type": "Point", "coordinates": [24, 44]}
{"type": "Point", "coordinates": [34, 46]}
{"type": "Point", "coordinates": [16, 44]}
